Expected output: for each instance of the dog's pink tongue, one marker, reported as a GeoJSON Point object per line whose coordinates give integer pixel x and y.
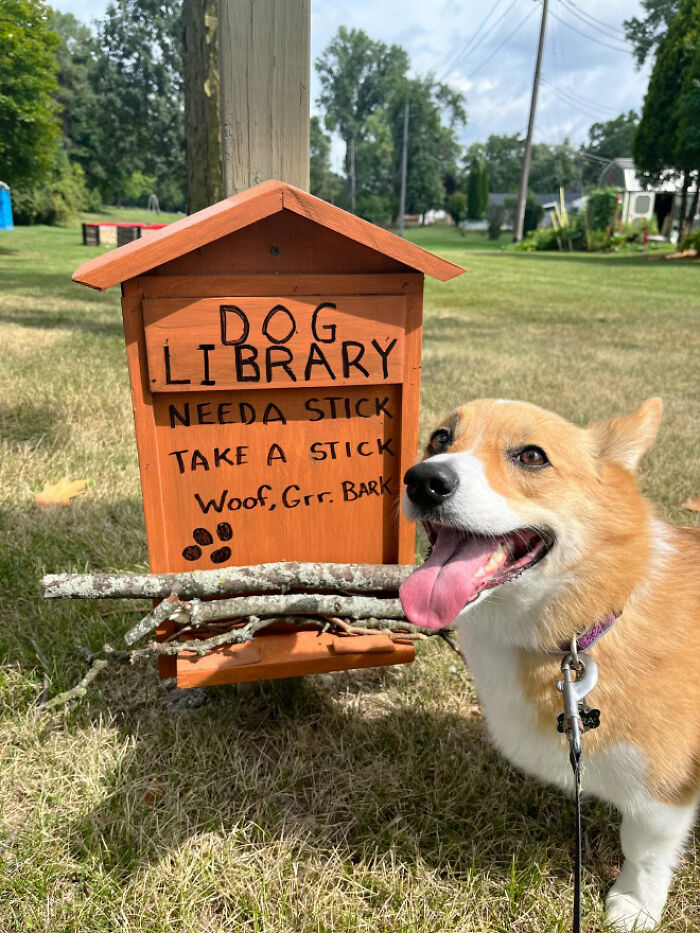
{"type": "Point", "coordinates": [435, 593]}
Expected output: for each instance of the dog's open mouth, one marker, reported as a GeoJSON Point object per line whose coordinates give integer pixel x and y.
{"type": "Point", "coordinates": [462, 565]}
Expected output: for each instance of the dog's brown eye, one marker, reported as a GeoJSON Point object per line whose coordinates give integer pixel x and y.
{"type": "Point", "coordinates": [532, 457]}
{"type": "Point", "coordinates": [440, 440]}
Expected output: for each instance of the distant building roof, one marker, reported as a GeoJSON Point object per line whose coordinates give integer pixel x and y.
{"type": "Point", "coordinates": [622, 173]}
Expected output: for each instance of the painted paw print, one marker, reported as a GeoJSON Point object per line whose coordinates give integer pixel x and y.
{"type": "Point", "coordinates": [204, 538]}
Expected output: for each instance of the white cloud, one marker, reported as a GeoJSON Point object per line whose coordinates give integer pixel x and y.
{"type": "Point", "coordinates": [496, 81]}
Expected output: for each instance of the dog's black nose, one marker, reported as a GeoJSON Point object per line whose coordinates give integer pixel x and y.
{"type": "Point", "coordinates": [429, 483]}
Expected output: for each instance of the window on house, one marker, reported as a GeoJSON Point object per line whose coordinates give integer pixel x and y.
{"type": "Point", "coordinates": [641, 204]}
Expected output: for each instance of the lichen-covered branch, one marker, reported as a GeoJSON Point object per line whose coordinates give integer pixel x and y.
{"type": "Point", "coordinates": [155, 618]}
{"type": "Point", "coordinates": [107, 656]}
{"type": "Point", "coordinates": [283, 577]}
{"type": "Point", "coordinates": [349, 607]}
{"type": "Point", "coordinates": [196, 613]}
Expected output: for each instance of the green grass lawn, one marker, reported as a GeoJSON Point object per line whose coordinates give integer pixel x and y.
{"type": "Point", "coordinates": [360, 802]}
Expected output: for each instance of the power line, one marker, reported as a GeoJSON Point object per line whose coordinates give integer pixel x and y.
{"type": "Point", "coordinates": [615, 48]}
{"type": "Point", "coordinates": [577, 98]}
{"type": "Point", "coordinates": [469, 51]}
{"type": "Point", "coordinates": [572, 104]}
{"type": "Point", "coordinates": [468, 45]}
{"type": "Point", "coordinates": [506, 40]}
{"type": "Point", "coordinates": [594, 158]}
{"type": "Point", "coordinates": [591, 20]}
{"type": "Point", "coordinates": [525, 177]}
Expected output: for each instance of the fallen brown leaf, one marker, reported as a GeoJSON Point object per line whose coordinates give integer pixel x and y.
{"type": "Point", "coordinates": [692, 505]}
{"type": "Point", "coordinates": [60, 493]}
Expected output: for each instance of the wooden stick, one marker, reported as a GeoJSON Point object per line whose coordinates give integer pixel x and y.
{"type": "Point", "coordinates": [283, 577]}
{"type": "Point", "coordinates": [151, 622]}
{"type": "Point", "coordinates": [349, 607]}
{"type": "Point", "coordinates": [196, 613]}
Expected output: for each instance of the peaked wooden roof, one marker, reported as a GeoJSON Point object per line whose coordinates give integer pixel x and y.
{"type": "Point", "coordinates": [240, 211]}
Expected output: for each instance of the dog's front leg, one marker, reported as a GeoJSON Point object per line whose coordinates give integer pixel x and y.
{"type": "Point", "coordinates": [652, 839]}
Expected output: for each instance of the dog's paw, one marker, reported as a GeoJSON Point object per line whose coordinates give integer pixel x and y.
{"type": "Point", "coordinates": [625, 912]}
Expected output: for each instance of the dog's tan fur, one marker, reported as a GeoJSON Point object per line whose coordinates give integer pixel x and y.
{"type": "Point", "coordinates": [606, 551]}
{"type": "Point", "coordinates": [647, 660]}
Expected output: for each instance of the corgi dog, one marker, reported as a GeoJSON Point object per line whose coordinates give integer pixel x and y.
{"type": "Point", "coordinates": [540, 534]}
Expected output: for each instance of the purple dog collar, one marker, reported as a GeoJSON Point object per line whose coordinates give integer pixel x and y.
{"type": "Point", "coordinates": [594, 633]}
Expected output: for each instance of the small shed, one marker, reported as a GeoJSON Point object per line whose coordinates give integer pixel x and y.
{"type": "Point", "coordinates": [661, 200]}
{"type": "Point", "coordinates": [274, 351]}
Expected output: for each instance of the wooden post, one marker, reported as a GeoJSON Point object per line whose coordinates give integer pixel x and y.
{"type": "Point", "coordinates": [264, 70]}
{"type": "Point", "coordinates": [404, 169]}
{"type": "Point", "coordinates": [522, 195]}
{"type": "Point", "coordinates": [202, 134]}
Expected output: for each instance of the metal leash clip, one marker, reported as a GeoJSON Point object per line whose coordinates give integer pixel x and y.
{"type": "Point", "coordinates": [580, 677]}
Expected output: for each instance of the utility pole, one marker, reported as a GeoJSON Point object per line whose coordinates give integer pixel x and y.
{"type": "Point", "coordinates": [404, 168]}
{"type": "Point", "coordinates": [522, 196]}
{"type": "Point", "coordinates": [352, 173]}
{"type": "Point", "coordinates": [264, 73]}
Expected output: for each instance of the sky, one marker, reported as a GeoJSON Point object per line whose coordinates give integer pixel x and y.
{"type": "Point", "coordinates": [487, 50]}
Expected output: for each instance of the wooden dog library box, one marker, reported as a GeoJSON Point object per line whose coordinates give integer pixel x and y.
{"type": "Point", "coordinates": [274, 350]}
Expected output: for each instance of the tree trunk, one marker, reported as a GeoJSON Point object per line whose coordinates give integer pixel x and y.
{"type": "Point", "coordinates": [202, 122]}
{"type": "Point", "coordinates": [690, 217]}
{"type": "Point", "coordinates": [684, 201]}
{"type": "Point", "coordinates": [352, 175]}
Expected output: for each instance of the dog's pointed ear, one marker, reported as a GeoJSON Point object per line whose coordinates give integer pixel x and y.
{"type": "Point", "coordinates": [626, 440]}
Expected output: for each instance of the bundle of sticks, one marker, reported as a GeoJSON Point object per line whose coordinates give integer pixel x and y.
{"type": "Point", "coordinates": [209, 608]}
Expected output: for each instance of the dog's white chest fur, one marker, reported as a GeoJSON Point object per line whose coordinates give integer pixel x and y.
{"type": "Point", "coordinates": [616, 774]}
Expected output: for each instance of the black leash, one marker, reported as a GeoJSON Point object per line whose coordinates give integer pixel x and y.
{"type": "Point", "coordinates": [576, 765]}
{"type": "Point", "coordinates": [580, 676]}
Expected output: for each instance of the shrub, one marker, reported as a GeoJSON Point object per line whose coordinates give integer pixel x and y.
{"type": "Point", "coordinates": [691, 241]}
{"type": "Point", "coordinates": [457, 206]}
{"type": "Point", "coordinates": [634, 231]}
{"type": "Point", "coordinates": [534, 212]}
{"type": "Point", "coordinates": [540, 240]}
{"type": "Point", "coordinates": [137, 187]}
{"type": "Point", "coordinates": [601, 208]}
{"type": "Point", "coordinates": [495, 214]}
{"type": "Point", "coordinates": [374, 208]}
{"type": "Point", "coordinates": [58, 199]}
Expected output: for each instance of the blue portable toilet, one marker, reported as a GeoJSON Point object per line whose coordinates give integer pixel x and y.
{"type": "Point", "coordinates": [5, 207]}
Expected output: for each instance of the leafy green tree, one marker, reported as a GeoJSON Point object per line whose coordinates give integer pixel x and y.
{"type": "Point", "coordinates": [140, 86]}
{"type": "Point", "coordinates": [667, 141]}
{"type": "Point", "coordinates": [503, 158]}
{"type": "Point", "coordinates": [29, 126]}
{"type": "Point", "coordinates": [457, 206]}
{"type": "Point", "coordinates": [474, 211]}
{"type": "Point", "coordinates": [610, 139]}
{"type": "Point", "coordinates": [325, 183]}
{"type": "Point", "coordinates": [374, 157]}
{"type": "Point", "coordinates": [434, 113]}
{"type": "Point", "coordinates": [601, 208]}
{"type": "Point", "coordinates": [495, 215]}
{"type": "Point", "coordinates": [320, 156]}
{"type": "Point", "coordinates": [553, 167]}
{"type": "Point", "coordinates": [645, 34]}
{"type": "Point", "coordinates": [534, 212]}
{"type": "Point", "coordinates": [358, 75]}
{"type": "Point", "coordinates": [483, 189]}
{"type": "Point", "coordinates": [77, 55]}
